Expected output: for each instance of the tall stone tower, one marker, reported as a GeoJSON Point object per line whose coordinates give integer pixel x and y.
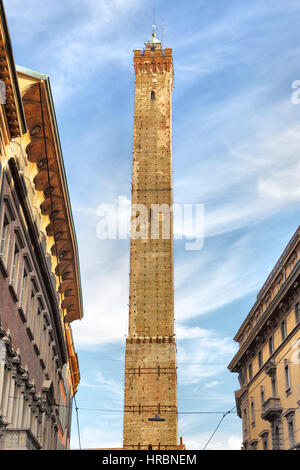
{"type": "Point", "coordinates": [150, 414]}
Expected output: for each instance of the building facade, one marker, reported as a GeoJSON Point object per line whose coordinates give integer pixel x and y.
{"type": "Point", "coordinates": [150, 413]}
{"type": "Point", "coordinates": [268, 359]}
{"type": "Point", "coordinates": [40, 293]}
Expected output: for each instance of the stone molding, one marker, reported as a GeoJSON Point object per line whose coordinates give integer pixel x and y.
{"type": "Point", "coordinates": [40, 404]}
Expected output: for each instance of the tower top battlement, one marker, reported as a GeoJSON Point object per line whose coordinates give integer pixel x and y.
{"type": "Point", "coordinates": [153, 60]}
{"type": "Point", "coordinates": [153, 48]}
{"type": "Point", "coordinates": [157, 52]}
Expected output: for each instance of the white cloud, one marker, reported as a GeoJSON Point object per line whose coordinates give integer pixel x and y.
{"type": "Point", "coordinates": [184, 332]}
{"type": "Point", "coordinates": [106, 289]}
{"type": "Point", "coordinates": [112, 386]}
{"type": "Point", "coordinates": [90, 35]}
{"type": "Point", "coordinates": [106, 304]}
{"type": "Point", "coordinates": [214, 280]}
{"type": "Point", "coordinates": [257, 175]}
{"type": "Point", "coordinates": [203, 357]}
{"type": "Point", "coordinates": [214, 383]}
{"type": "Point", "coordinates": [236, 150]}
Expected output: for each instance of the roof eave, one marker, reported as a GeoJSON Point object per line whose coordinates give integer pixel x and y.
{"type": "Point", "coordinates": [12, 71]}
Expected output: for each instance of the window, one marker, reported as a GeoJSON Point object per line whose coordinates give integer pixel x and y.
{"type": "Point", "coordinates": [245, 424]}
{"type": "Point", "coordinates": [276, 438]}
{"type": "Point", "coordinates": [24, 287]}
{"type": "Point", "coordinates": [49, 359]}
{"type": "Point", "coordinates": [254, 445]}
{"type": "Point", "coordinates": [287, 375]}
{"type": "Point", "coordinates": [5, 237]}
{"type": "Point", "coordinates": [265, 441]}
{"type": "Point", "coordinates": [32, 310]}
{"type": "Point", "coordinates": [6, 219]}
{"type": "Point", "coordinates": [291, 429]}
{"type": "Point", "coordinates": [152, 95]}
{"type": "Point", "coordinates": [283, 330]}
{"type": "Point", "coordinates": [271, 345]}
{"type": "Point", "coordinates": [252, 413]}
{"type": "Point", "coordinates": [39, 325]}
{"type": "Point", "coordinates": [297, 312]}
{"type": "Point", "coordinates": [15, 263]}
{"type": "Point", "coordinates": [242, 377]}
{"type": "Point", "coordinates": [250, 371]}
{"type": "Point", "coordinates": [43, 342]}
{"type": "Point", "coordinates": [260, 359]}
{"type": "Point", "coordinates": [262, 395]}
{"type": "Point", "coordinates": [274, 385]}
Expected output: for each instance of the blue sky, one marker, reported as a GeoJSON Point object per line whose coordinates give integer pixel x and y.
{"type": "Point", "coordinates": [236, 147]}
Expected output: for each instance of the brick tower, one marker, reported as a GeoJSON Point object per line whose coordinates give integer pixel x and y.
{"type": "Point", "coordinates": [150, 414]}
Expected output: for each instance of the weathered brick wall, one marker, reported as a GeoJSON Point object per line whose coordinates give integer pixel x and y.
{"type": "Point", "coordinates": [150, 379]}
{"type": "Point", "coordinates": [150, 389]}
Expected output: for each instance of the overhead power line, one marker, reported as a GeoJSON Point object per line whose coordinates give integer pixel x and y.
{"type": "Point", "coordinates": [178, 363]}
{"type": "Point", "coordinates": [77, 419]}
{"type": "Point", "coordinates": [218, 425]}
{"type": "Point", "coordinates": [104, 410]}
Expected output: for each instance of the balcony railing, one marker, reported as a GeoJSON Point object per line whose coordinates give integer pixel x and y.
{"type": "Point", "coordinates": [271, 409]}
{"type": "Point", "coordinates": [19, 439]}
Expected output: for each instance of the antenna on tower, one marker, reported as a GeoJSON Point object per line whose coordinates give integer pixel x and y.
{"type": "Point", "coordinates": [162, 37]}
{"type": "Point", "coordinates": [153, 25]}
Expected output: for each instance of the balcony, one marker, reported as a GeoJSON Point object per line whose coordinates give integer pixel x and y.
{"type": "Point", "coordinates": [19, 439]}
{"type": "Point", "coordinates": [271, 409]}
{"type": "Point", "coordinates": [240, 396]}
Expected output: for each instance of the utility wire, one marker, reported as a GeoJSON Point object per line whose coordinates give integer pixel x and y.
{"type": "Point", "coordinates": [257, 410]}
{"type": "Point", "coordinates": [127, 411]}
{"type": "Point", "coordinates": [178, 363]}
{"type": "Point", "coordinates": [77, 419]}
{"type": "Point", "coordinates": [218, 425]}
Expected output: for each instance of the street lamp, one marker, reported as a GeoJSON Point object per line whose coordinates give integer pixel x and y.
{"type": "Point", "coordinates": [156, 418]}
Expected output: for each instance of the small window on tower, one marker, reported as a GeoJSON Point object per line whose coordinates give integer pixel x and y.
{"type": "Point", "coordinates": [153, 95]}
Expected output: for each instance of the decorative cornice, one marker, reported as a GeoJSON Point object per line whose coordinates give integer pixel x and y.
{"type": "Point", "coordinates": [289, 413]}
{"type": "Point", "coordinates": [287, 252]}
{"type": "Point", "coordinates": [13, 107]}
{"type": "Point", "coordinates": [39, 253]}
{"type": "Point", "coordinates": [276, 310]}
{"type": "Point", "coordinates": [150, 339]}
{"type": "Point", "coordinates": [45, 150]}
{"type": "Point", "coordinates": [14, 363]}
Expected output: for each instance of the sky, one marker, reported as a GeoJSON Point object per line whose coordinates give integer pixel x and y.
{"type": "Point", "coordinates": [236, 147]}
